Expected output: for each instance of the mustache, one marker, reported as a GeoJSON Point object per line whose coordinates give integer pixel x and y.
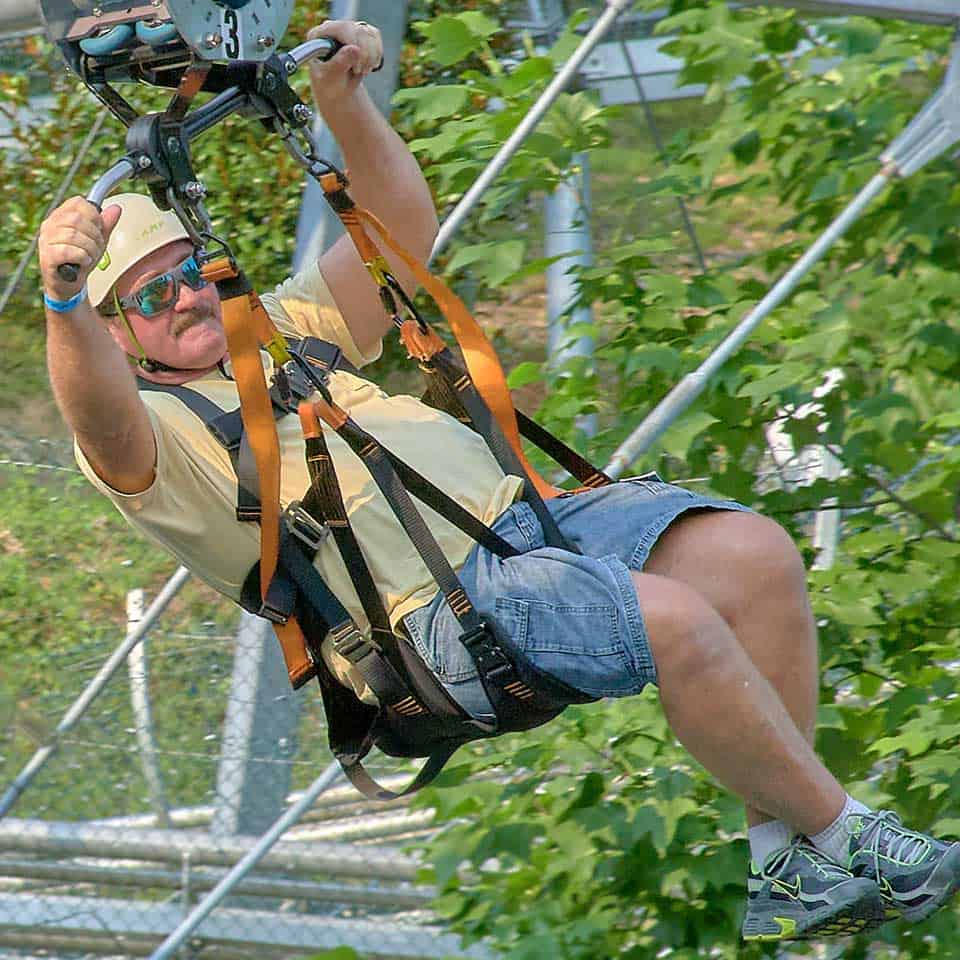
{"type": "Point", "coordinates": [185, 321]}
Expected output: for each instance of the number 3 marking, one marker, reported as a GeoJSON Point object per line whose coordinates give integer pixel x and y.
{"type": "Point", "coordinates": [231, 24]}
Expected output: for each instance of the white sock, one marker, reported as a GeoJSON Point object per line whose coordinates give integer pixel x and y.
{"type": "Point", "coordinates": [766, 837]}
{"type": "Point", "coordinates": [834, 841]}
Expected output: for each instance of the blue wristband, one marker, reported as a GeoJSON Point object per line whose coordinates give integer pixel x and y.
{"type": "Point", "coordinates": [64, 306]}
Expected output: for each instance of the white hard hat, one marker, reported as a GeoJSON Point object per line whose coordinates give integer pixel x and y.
{"type": "Point", "coordinates": [142, 228]}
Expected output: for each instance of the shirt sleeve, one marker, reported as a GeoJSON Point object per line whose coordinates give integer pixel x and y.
{"type": "Point", "coordinates": [189, 508]}
{"type": "Point", "coordinates": [303, 306]}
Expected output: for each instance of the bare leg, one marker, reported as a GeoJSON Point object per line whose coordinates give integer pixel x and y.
{"type": "Point", "coordinates": [748, 569]}
{"type": "Point", "coordinates": [727, 714]}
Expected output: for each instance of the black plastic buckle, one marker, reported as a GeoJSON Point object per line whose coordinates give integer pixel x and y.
{"type": "Point", "coordinates": [285, 388]}
{"type": "Point", "coordinates": [304, 527]}
{"type": "Point", "coordinates": [351, 643]}
{"type": "Point", "coordinates": [298, 387]}
{"type": "Point", "coordinates": [489, 657]}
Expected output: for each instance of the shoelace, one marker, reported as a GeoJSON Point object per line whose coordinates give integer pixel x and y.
{"type": "Point", "coordinates": [825, 868]}
{"type": "Point", "coordinates": [883, 835]}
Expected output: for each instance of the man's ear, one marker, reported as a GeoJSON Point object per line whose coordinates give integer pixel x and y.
{"type": "Point", "coordinates": [112, 324]}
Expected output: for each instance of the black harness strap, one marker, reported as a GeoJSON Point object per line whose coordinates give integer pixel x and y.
{"type": "Point", "coordinates": [288, 388]}
{"type": "Point", "coordinates": [568, 458]}
{"type": "Point", "coordinates": [486, 425]}
{"type": "Point", "coordinates": [491, 661]}
{"type": "Point", "coordinates": [416, 717]}
{"type": "Point", "coordinates": [324, 502]}
{"type": "Point", "coordinates": [440, 393]}
{"type": "Point", "coordinates": [227, 429]}
{"type": "Point", "coordinates": [351, 743]}
{"type": "Point", "coordinates": [447, 507]}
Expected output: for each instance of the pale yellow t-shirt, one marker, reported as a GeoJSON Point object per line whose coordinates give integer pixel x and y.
{"type": "Point", "coordinates": [189, 509]}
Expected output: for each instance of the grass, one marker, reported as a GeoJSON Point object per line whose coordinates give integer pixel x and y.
{"type": "Point", "coordinates": [67, 561]}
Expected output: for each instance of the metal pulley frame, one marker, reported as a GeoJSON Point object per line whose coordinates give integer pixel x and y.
{"type": "Point", "coordinates": [213, 30]}
{"type": "Point", "coordinates": [158, 144]}
{"type": "Point", "coordinates": [223, 47]}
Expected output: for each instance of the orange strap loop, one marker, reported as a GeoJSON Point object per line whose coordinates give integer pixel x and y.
{"type": "Point", "coordinates": [248, 326]}
{"type": "Point", "coordinates": [478, 353]}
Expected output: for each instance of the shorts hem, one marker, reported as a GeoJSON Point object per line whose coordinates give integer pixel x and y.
{"type": "Point", "coordinates": [653, 533]}
{"type": "Point", "coordinates": [637, 649]}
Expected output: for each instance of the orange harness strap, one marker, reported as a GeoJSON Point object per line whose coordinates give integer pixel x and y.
{"type": "Point", "coordinates": [478, 353]}
{"type": "Point", "coordinates": [248, 327]}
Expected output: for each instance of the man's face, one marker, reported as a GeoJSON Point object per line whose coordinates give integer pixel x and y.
{"type": "Point", "coordinates": [189, 333]}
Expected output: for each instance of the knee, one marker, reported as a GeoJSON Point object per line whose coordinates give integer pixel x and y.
{"type": "Point", "coordinates": [766, 566]}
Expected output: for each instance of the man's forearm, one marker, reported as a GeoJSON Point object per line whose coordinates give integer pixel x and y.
{"type": "Point", "coordinates": [384, 176]}
{"type": "Point", "coordinates": [98, 398]}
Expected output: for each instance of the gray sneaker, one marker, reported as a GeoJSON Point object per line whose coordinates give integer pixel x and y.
{"type": "Point", "coordinates": [916, 873]}
{"type": "Point", "coordinates": [799, 893]}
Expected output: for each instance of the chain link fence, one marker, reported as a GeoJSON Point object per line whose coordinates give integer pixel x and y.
{"type": "Point", "coordinates": [120, 811]}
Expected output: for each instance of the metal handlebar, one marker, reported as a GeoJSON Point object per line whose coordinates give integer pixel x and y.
{"type": "Point", "coordinates": [203, 118]}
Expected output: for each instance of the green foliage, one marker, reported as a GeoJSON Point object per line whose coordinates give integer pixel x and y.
{"type": "Point", "coordinates": [600, 837]}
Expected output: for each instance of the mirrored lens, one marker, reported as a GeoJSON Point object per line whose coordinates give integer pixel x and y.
{"type": "Point", "coordinates": [157, 294]}
{"type": "Point", "coordinates": [190, 271]}
{"type": "Point", "coordinates": [161, 292]}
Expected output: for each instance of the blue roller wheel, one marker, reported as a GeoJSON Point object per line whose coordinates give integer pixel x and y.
{"type": "Point", "coordinates": [112, 39]}
{"type": "Point", "coordinates": [155, 34]}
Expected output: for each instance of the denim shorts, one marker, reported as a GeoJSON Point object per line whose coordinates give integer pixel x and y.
{"type": "Point", "coordinates": [576, 616]}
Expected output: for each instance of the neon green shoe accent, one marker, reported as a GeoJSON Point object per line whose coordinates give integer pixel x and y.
{"type": "Point", "coordinates": [787, 926]}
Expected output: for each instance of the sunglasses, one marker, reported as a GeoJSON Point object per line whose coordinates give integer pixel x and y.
{"type": "Point", "coordinates": [160, 293]}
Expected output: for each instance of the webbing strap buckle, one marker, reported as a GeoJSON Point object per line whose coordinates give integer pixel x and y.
{"type": "Point", "coordinates": [271, 613]}
{"type": "Point", "coordinates": [296, 380]}
{"type": "Point", "coordinates": [487, 654]}
{"type": "Point", "coordinates": [304, 527]}
{"type": "Point", "coordinates": [347, 640]}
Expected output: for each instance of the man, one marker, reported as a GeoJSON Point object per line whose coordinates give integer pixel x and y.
{"type": "Point", "coordinates": [703, 597]}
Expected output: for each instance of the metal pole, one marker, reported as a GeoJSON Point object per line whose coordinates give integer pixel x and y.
{"type": "Point", "coordinates": [259, 886]}
{"type": "Point", "coordinates": [207, 904]}
{"type": "Point", "coordinates": [259, 734]}
{"type": "Point", "coordinates": [826, 532]}
{"type": "Point", "coordinates": [93, 689]}
{"type": "Point", "coordinates": [138, 671]}
{"type": "Point", "coordinates": [57, 200]}
{"type": "Point", "coordinates": [20, 16]}
{"type": "Point", "coordinates": [72, 839]}
{"type": "Point", "coordinates": [943, 12]}
{"type": "Point", "coordinates": [526, 126]}
{"type": "Point", "coordinates": [693, 384]}
{"type": "Point", "coordinates": [567, 237]}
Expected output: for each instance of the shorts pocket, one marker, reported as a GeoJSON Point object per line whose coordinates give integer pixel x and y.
{"type": "Point", "coordinates": [579, 645]}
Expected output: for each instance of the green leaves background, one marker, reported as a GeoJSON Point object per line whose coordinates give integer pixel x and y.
{"type": "Point", "coordinates": [598, 837]}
